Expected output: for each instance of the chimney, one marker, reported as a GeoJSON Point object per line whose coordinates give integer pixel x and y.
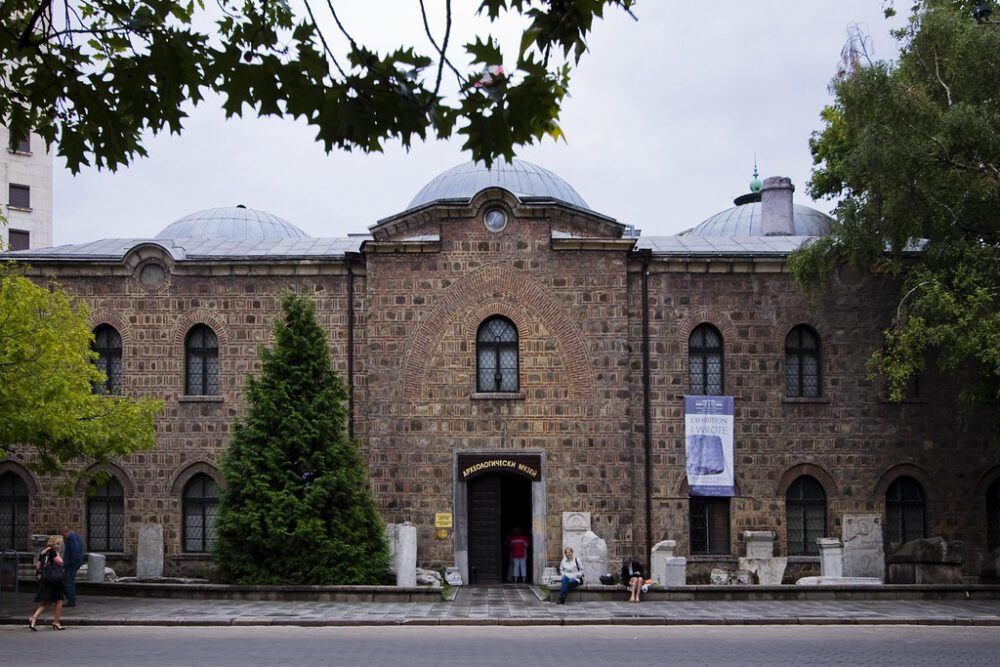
{"type": "Point", "coordinates": [776, 213]}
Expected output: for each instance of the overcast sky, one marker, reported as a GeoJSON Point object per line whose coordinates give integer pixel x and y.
{"type": "Point", "coordinates": [664, 120]}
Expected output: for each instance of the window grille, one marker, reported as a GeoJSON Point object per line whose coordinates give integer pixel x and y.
{"type": "Point", "coordinates": [802, 363]}
{"type": "Point", "coordinates": [106, 518]}
{"type": "Point", "coordinates": [993, 515]}
{"type": "Point", "coordinates": [497, 356]}
{"type": "Point", "coordinates": [905, 511]}
{"type": "Point", "coordinates": [805, 513]}
{"type": "Point", "coordinates": [709, 523]}
{"type": "Point", "coordinates": [202, 362]}
{"type": "Point", "coordinates": [705, 372]}
{"type": "Point", "coordinates": [108, 346]}
{"type": "Point", "coordinates": [200, 504]}
{"type": "Point", "coordinates": [13, 512]}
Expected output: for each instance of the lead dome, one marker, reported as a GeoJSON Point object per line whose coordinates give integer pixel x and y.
{"type": "Point", "coordinates": [522, 178]}
{"type": "Point", "coordinates": [234, 223]}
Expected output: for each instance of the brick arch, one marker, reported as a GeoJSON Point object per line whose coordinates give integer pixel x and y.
{"type": "Point", "coordinates": [983, 485]}
{"type": "Point", "coordinates": [186, 474]}
{"type": "Point", "coordinates": [707, 316]}
{"type": "Point", "coordinates": [816, 472]}
{"type": "Point", "coordinates": [200, 316]}
{"type": "Point", "coordinates": [124, 329]}
{"type": "Point", "coordinates": [504, 288]}
{"type": "Point", "coordinates": [26, 476]}
{"type": "Point", "coordinates": [128, 487]}
{"type": "Point", "coordinates": [905, 470]}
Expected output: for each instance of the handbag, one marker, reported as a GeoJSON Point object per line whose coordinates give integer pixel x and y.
{"type": "Point", "coordinates": [51, 572]}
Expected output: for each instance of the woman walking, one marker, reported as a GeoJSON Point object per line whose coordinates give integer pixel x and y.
{"type": "Point", "coordinates": [51, 583]}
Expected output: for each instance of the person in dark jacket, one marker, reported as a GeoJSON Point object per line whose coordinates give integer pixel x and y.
{"type": "Point", "coordinates": [632, 577]}
{"type": "Point", "coordinates": [72, 560]}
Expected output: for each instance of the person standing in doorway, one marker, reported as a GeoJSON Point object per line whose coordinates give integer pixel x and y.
{"type": "Point", "coordinates": [518, 545]}
{"type": "Point", "coordinates": [72, 560]}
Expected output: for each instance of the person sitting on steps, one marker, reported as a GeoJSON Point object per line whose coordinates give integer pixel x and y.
{"type": "Point", "coordinates": [572, 574]}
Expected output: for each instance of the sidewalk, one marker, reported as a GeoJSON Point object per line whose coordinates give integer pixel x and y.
{"type": "Point", "coordinates": [509, 605]}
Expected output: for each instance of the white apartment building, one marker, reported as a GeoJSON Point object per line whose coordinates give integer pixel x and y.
{"type": "Point", "coordinates": [26, 182]}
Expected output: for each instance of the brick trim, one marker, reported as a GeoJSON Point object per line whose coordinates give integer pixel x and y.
{"type": "Point", "coordinates": [128, 487]}
{"type": "Point", "coordinates": [26, 476]}
{"type": "Point", "coordinates": [816, 472]}
{"type": "Point", "coordinates": [504, 290]}
{"type": "Point", "coordinates": [185, 474]}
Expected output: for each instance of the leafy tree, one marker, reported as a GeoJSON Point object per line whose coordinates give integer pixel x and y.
{"type": "Point", "coordinates": [296, 508]}
{"type": "Point", "coordinates": [911, 151]}
{"type": "Point", "coordinates": [93, 75]}
{"type": "Point", "coordinates": [47, 377]}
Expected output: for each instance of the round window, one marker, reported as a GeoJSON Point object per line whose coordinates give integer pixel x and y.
{"type": "Point", "coordinates": [495, 219]}
{"type": "Point", "coordinates": [152, 276]}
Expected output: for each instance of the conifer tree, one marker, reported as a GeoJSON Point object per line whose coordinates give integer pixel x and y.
{"type": "Point", "coordinates": [296, 508]}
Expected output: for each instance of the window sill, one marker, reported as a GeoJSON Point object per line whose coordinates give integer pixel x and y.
{"type": "Point", "coordinates": [906, 401]}
{"type": "Point", "coordinates": [819, 400]}
{"type": "Point", "coordinates": [497, 396]}
{"type": "Point", "coordinates": [11, 207]}
{"type": "Point", "coordinates": [200, 399]}
{"type": "Point", "coordinates": [803, 559]}
{"type": "Point", "coordinates": [194, 556]}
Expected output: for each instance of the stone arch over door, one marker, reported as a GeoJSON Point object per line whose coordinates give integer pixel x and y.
{"type": "Point", "coordinates": [499, 284]}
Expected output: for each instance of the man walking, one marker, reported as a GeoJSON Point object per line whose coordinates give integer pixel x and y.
{"type": "Point", "coordinates": [72, 560]}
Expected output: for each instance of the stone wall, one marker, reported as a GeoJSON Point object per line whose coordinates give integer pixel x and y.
{"type": "Point", "coordinates": [578, 311]}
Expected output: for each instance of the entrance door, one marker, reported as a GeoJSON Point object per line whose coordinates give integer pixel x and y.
{"type": "Point", "coordinates": [497, 504]}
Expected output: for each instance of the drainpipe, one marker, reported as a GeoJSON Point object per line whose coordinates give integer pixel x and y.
{"type": "Point", "coordinates": [647, 439]}
{"type": "Point", "coordinates": [350, 344]}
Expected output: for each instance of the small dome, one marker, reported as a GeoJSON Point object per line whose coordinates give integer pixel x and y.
{"type": "Point", "coordinates": [522, 178]}
{"type": "Point", "coordinates": [236, 223]}
{"type": "Point", "coordinates": [744, 220]}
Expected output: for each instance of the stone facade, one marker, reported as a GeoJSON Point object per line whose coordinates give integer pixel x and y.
{"type": "Point", "coordinates": [403, 313]}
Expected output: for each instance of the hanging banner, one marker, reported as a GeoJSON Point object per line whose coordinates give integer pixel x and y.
{"type": "Point", "coordinates": [708, 430]}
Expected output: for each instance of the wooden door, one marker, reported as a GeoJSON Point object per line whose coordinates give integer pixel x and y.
{"type": "Point", "coordinates": [485, 547]}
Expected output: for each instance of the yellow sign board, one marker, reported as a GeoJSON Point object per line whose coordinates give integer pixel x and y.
{"type": "Point", "coordinates": [442, 520]}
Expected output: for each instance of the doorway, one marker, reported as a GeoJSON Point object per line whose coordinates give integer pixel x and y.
{"type": "Point", "coordinates": [497, 504]}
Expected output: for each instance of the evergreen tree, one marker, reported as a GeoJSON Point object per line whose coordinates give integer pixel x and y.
{"type": "Point", "coordinates": [296, 508]}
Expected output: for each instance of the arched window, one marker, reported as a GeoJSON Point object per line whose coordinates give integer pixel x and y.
{"type": "Point", "coordinates": [802, 363]}
{"type": "Point", "coordinates": [905, 511]}
{"type": "Point", "coordinates": [497, 356]}
{"type": "Point", "coordinates": [708, 517]}
{"type": "Point", "coordinates": [993, 515]}
{"type": "Point", "coordinates": [705, 361]}
{"type": "Point", "coordinates": [805, 514]}
{"type": "Point", "coordinates": [13, 512]}
{"type": "Point", "coordinates": [108, 346]}
{"type": "Point", "coordinates": [200, 501]}
{"type": "Point", "coordinates": [106, 518]}
{"type": "Point", "coordinates": [201, 349]}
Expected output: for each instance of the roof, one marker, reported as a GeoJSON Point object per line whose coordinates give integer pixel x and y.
{"type": "Point", "coordinates": [745, 221]}
{"type": "Point", "coordinates": [236, 223]}
{"type": "Point", "coordinates": [524, 179]}
{"type": "Point", "coordinates": [201, 249]}
{"type": "Point", "coordinates": [721, 246]}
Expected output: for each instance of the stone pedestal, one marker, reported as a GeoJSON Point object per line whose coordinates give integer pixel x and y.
{"type": "Point", "coordinates": [402, 539]}
{"type": "Point", "coordinates": [760, 543]}
{"type": "Point", "coordinates": [95, 568]}
{"type": "Point", "coordinates": [864, 555]}
{"type": "Point", "coordinates": [149, 558]}
{"type": "Point", "coordinates": [665, 568]}
{"type": "Point", "coordinates": [831, 557]}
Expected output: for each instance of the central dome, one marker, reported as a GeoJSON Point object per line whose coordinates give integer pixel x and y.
{"type": "Point", "coordinates": [234, 223]}
{"type": "Point", "coordinates": [522, 178]}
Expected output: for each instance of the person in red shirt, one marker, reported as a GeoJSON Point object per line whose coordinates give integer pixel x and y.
{"type": "Point", "coordinates": [518, 543]}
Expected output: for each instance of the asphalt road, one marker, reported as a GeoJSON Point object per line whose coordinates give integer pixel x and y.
{"type": "Point", "coordinates": [578, 646]}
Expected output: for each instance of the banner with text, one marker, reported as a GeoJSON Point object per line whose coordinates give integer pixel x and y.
{"type": "Point", "coordinates": [708, 431]}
